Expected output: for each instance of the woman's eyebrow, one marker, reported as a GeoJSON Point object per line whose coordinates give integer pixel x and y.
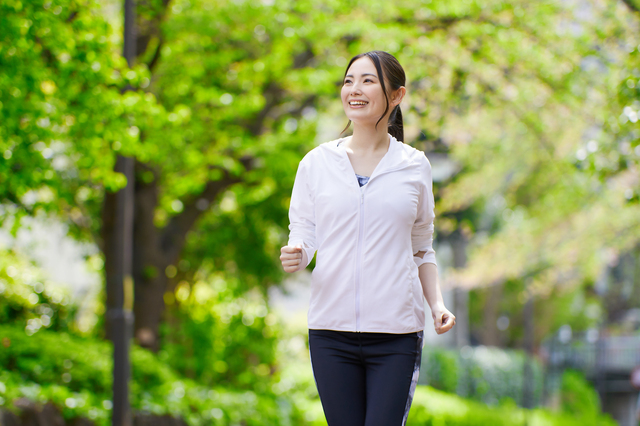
{"type": "Point", "coordinates": [372, 75]}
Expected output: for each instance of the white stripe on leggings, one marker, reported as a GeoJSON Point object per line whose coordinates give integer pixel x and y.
{"type": "Point", "coordinates": [414, 378]}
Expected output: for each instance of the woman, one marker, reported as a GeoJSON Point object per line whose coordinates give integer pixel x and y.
{"type": "Point", "coordinates": [365, 204]}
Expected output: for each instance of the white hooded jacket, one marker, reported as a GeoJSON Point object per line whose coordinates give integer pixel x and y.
{"type": "Point", "coordinates": [365, 278]}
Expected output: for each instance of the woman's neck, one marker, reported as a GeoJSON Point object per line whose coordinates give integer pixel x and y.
{"type": "Point", "coordinates": [368, 139]}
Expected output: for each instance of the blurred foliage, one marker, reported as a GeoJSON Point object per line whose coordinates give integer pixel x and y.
{"type": "Point", "coordinates": [62, 108]}
{"type": "Point", "coordinates": [31, 301]}
{"type": "Point", "coordinates": [218, 337]}
{"type": "Point", "coordinates": [440, 369]}
{"type": "Point", "coordinates": [75, 374]}
{"type": "Point", "coordinates": [552, 170]}
{"type": "Point", "coordinates": [613, 151]}
{"type": "Point", "coordinates": [486, 374]}
{"type": "Point", "coordinates": [432, 407]}
{"type": "Point", "coordinates": [621, 291]}
{"type": "Point", "coordinates": [215, 333]}
{"type": "Point", "coordinates": [578, 396]}
{"type": "Point", "coordinates": [579, 308]}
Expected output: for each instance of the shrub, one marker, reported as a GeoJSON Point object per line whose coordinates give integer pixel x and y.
{"type": "Point", "coordinates": [432, 407]}
{"type": "Point", "coordinates": [485, 374]}
{"type": "Point", "coordinates": [75, 374]}
{"type": "Point", "coordinates": [440, 369]}
{"type": "Point", "coordinates": [577, 396]}
{"type": "Point", "coordinates": [219, 335]}
{"type": "Point", "coordinates": [28, 299]}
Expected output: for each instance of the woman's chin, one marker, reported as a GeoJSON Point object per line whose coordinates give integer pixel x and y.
{"type": "Point", "coordinates": [363, 120]}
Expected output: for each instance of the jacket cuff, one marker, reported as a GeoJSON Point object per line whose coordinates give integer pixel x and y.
{"type": "Point", "coordinates": [427, 258]}
{"type": "Point", "coordinates": [310, 253]}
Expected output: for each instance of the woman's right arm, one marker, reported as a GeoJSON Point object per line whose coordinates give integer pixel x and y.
{"type": "Point", "coordinates": [301, 247]}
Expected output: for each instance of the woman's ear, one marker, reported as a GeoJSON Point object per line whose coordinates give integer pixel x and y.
{"type": "Point", "coordinates": [398, 95]}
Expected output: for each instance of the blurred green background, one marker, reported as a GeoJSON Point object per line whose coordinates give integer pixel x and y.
{"type": "Point", "coordinates": [528, 112]}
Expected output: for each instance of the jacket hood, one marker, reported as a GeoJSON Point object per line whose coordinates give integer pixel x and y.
{"type": "Point", "coordinates": [399, 155]}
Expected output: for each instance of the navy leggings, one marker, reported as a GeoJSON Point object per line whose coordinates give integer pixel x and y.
{"type": "Point", "coordinates": [365, 379]}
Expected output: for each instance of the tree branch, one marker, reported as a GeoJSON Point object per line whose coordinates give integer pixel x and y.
{"type": "Point", "coordinates": [156, 55]}
{"type": "Point", "coordinates": [174, 234]}
{"type": "Point", "coordinates": [631, 4]}
{"type": "Point", "coordinates": [438, 23]}
{"type": "Point", "coordinates": [149, 19]}
{"type": "Point", "coordinates": [273, 94]}
{"type": "Point", "coordinates": [72, 16]}
{"type": "Point", "coordinates": [302, 59]}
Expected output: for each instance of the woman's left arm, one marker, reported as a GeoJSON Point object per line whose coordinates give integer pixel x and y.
{"type": "Point", "coordinates": [443, 319]}
{"type": "Point", "coordinates": [424, 255]}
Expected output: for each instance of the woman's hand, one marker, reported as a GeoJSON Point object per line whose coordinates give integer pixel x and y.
{"type": "Point", "coordinates": [443, 319]}
{"type": "Point", "coordinates": [291, 258]}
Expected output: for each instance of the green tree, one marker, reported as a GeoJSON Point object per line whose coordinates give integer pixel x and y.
{"type": "Point", "coordinates": [554, 209]}
{"type": "Point", "coordinates": [61, 109]}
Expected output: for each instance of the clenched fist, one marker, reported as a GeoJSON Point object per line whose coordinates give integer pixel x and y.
{"type": "Point", "coordinates": [291, 258]}
{"type": "Point", "coordinates": [443, 320]}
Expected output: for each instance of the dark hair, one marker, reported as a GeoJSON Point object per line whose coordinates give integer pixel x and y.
{"type": "Point", "coordinates": [388, 69]}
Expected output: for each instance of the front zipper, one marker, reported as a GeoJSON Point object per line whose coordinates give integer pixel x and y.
{"type": "Point", "coordinates": [359, 256]}
{"type": "Point", "coordinates": [359, 250]}
{"type": "Point", "coordinates": [361, 235]}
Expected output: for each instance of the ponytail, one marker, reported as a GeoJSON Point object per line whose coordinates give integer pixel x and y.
{"type": "Point", "coordinates": [396, 127]}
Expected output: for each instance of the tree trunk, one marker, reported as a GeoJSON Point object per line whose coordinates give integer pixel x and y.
{"type": "Point", "coordinates": [461, 295]}
{"type": "Point", "coordinates": [149, 264]}
{"type": "Point", "coordinates": [153, 248]}
{"type": "Point", "coordinates": [489, 333]}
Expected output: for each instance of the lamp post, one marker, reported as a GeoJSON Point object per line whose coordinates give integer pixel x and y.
{"type": "Point", "coordinates": [119, 296]}
{"type": "Point", "coordinates": [120, 283]}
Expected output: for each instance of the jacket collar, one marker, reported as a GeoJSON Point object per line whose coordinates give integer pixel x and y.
{"type": "Point", "coordinates": [396, 157]}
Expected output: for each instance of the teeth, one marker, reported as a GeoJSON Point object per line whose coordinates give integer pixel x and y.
{"type": "Point", "coordinates": [357, 103]}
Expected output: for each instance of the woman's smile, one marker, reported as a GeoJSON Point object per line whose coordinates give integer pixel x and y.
{"type": "Point", "coordinates": [357, 103]}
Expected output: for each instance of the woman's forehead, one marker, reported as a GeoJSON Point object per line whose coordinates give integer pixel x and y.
{"type": "Point", "coordinates": [362, 66]}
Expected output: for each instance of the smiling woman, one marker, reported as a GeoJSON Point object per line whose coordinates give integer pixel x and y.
{"type": "Point", "coordinates": [365, 204]}
{"type": "Point", "coordinates": [369, 70]}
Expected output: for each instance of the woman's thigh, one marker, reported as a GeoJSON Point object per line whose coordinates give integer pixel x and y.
{"type": "Point", "coordinates": [392, 368]}
{"type": "Point", "coordinates": [339, 371]}
{"type": "Point", "coordinates": [365, 379]}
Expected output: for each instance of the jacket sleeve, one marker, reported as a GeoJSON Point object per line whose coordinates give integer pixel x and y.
{"type": "Point", "coordinates": [422, 232]}
{"type": "Point", "coordinates": [302, 220]}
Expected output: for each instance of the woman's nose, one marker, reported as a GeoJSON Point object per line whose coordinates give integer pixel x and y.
{"type": "Point", "coordinates": [355, 89]}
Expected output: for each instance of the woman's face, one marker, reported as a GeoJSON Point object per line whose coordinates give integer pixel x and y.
{"type": "Point", "coordinates": [362, 96]}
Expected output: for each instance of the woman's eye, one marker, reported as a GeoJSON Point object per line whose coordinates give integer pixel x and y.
{"type": "Point", "coordinates": [347, 82]}
{"type": "Point", "coordinates": [368, 80]}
